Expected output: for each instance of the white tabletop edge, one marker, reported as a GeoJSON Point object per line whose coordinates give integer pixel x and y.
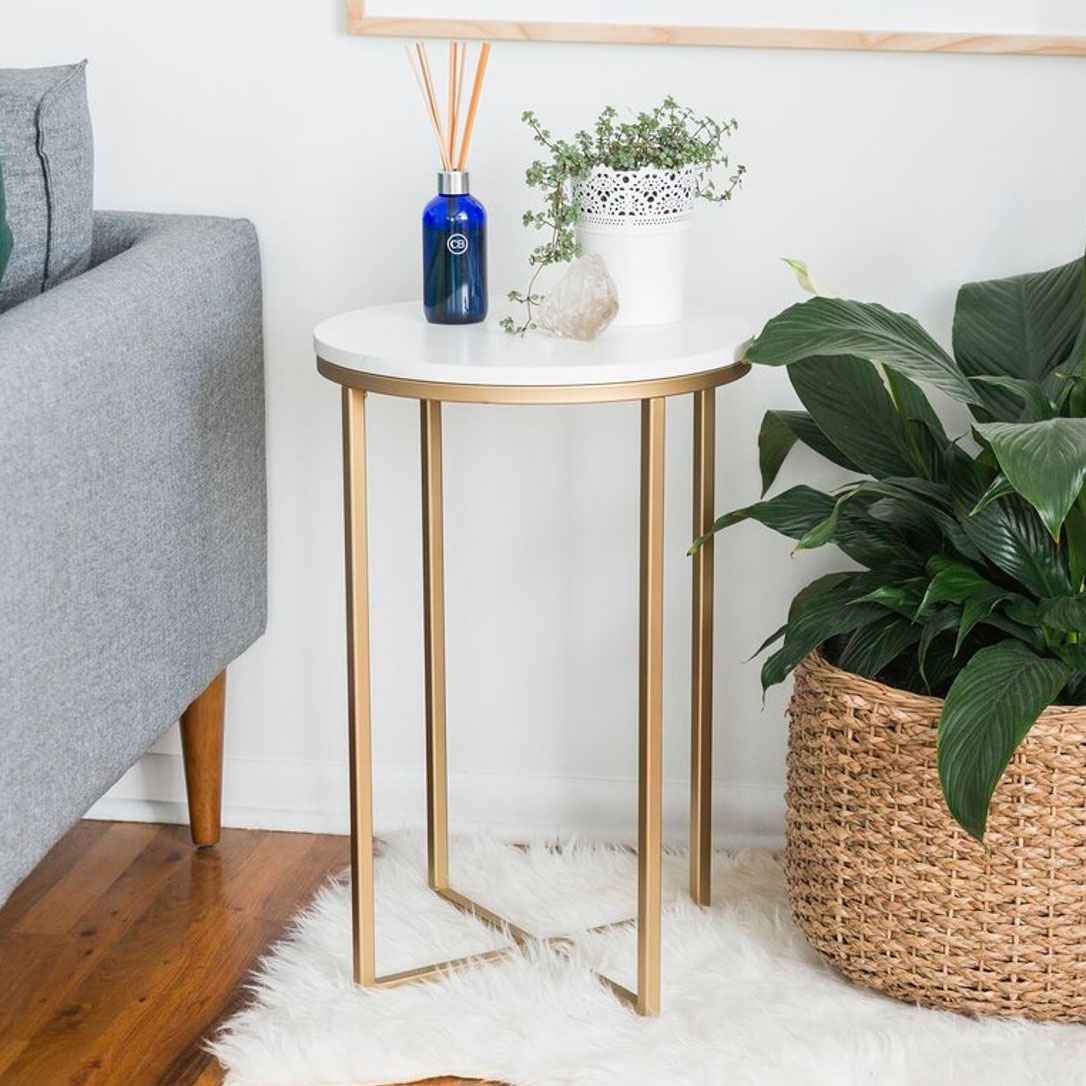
{"type": "Point", "coordinates": [396, 341]}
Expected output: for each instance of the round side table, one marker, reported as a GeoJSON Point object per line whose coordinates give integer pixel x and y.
{"type": "Point", "coordinates": [391, 350]}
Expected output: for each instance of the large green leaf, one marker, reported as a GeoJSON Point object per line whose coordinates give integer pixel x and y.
{"type": "Point", "coordinates": [823, 532]}
{"type": "Point", "coordinates": [775, 440]}
{"type": "Point", "coordinates": [901, 597]}
{"type": "Point", "coordinates": [1066, 613]}
{"type": "Point", "coordinates": [774, 637]}
{"type": "Point", "coordinates": [1057, 384]}
{"type": "Point", "coordinates": [833, 326]}
{"type": "Point", "coordinates": [1025, 611]}
{"type": "Point", "coordinates": [1065, 392]}
{"type": "Point", "coordinates": [1031, 637]}
{"type": "Point", "coordinates": [1024, 326]}
{"type": "Point", "coordinates": [1035, 402]}
{"type": "Point", "coordinates": [928, 502]}
{"type": "Point", "coordinates": [990, 707]}
{"type": "Point", "coordinates": [851, 406]}
{"type": "Point", "coordinates": [940, 665]}
{"type": "Point", "coordinates": [1011, 536]}
{"type": "Point", "coordinates": [874, 543]}
{"type": "Point", "coordinates": [924, 434]}
{"type": "Point", "coordinates": [913, 404]}
{"type": "Point", "coordinates": [941, 621]}
{"type": "Point", "coordinates": [843, 580]}
{"type": "Point", "coordinates": [951, 582]}
{"type": "Point", "coordinates": [956, 582]}
{"type": "Point", "coordinates": [1074, 693]}
{"type": "Point", "coordinates": [818, 614]}
{"type": "Point", "coordinates": [977, 609]}
{"type": "Point", "coordinates": [819, 586]}
{"type": "Point", "coordinates": [780, 431]}
{"type": "Point", "coordinates": [1000, 487]}
{"type": "Point", "coordinates": [913, 525]}
{"type": "Point", "coordinates": [1076, 394]}
{"type": "Point", "coordinates": [1044, 461]}
{"type": "Point", "coordinates": [792, 513]}
{"type": "Point", "coordinates": [874, 646]}
{"type": "Point", "coordinates": [1073, 654]}
{"type": "Point", "coordinates": [1075, 527]}
{"type": "Point", "coordinates": [1008, 533]}
{"type": "Point", "coordinates": [798, 511]}
{"type": "Point", "coordinates": [921, 492]}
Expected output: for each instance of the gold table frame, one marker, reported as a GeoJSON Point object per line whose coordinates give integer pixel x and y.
{"type": "Point", "coordinates": [652, 394]}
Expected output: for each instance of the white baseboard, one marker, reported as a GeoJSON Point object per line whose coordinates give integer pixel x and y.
{"type": "Point", "coordinates": [312, 798]}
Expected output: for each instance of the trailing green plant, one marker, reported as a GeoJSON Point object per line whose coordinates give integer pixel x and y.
{"type": "Point", "coordinates": [973, 549]}
{"type": "Point", "coordinates": [667, 137]}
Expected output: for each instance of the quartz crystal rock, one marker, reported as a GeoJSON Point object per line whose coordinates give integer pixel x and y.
{"type": "Point", "coordinates": [583, 303]}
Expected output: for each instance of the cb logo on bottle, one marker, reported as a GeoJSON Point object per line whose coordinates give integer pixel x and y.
{"type": "Point", "coordinates": [457, 244]}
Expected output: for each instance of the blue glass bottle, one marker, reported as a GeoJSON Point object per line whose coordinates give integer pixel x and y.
{"type": "Point", "coordinates": [454, 253]}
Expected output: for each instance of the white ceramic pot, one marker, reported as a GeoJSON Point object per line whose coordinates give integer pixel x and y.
{"type": "Point", "coordinates": [639, 222]}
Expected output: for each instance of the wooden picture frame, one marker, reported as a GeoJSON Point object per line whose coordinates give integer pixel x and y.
{"type": "Point", "coordinates": [359, 22]}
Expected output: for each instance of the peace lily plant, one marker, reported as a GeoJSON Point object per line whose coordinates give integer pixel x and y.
{"type": "Point", "coordinates": [973, 548]}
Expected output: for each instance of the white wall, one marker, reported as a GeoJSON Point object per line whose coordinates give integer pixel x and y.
{"type": "Point", "coordinates": [895, 176]}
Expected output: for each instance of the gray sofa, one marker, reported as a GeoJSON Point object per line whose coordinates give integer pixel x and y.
{"type": "Point", "coordinates": [132, 517]}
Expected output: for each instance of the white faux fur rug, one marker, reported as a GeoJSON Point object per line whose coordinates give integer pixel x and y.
{"type": "Point", "coordinates": [745, 1001]}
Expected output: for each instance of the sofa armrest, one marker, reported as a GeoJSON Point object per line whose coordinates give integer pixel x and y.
{"type": "Point", "coordinates": [152, 277]}
{"type": "Point", "coordinates": [117, 231]}
{"type": "Point", "coordinates": [133, 534]}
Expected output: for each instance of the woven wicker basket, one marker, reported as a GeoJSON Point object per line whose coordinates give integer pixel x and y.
{"type": "Point", "coordinates": [886, 885]}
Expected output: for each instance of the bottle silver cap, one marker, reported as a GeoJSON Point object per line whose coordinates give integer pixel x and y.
{"type": "Point", "coordinates": [452, 182]}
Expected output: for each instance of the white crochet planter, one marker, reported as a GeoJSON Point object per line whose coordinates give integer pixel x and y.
{"type": "Point", "coordinates": [639, 222]}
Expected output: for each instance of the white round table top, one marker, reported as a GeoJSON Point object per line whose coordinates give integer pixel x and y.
{"type": "Point", "coordinates": [397, 342]}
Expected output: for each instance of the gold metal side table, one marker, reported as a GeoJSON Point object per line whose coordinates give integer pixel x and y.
{"type": "Point", "coordinates": [392, 351]}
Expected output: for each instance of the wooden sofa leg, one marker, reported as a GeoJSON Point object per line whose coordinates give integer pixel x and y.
{"type": "Point", "coordinates": [201, 744]}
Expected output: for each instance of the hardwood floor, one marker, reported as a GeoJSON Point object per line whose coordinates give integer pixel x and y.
{"type": "Point", "coordinates": [125, 947]}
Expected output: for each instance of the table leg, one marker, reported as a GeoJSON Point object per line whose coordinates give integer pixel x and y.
{"type": "Point", "coordinates": [433, 606]}
{"type": "Point", "coordinates": [358, 682]}
{"type": "Point", "coordinates": [650, 706]}
{"type": "Point", "coordinates": [701, 682]}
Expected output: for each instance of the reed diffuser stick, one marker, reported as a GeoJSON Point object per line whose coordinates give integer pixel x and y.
{"type": "Point", "coordinates": [416, 70]}
{"type": "Point", "coordinates": [457, 88]}
{"type": "Point", "coordinates": [476, 93]}
{"type": "Point", "coordinates": [446, 121]}
{"type": "Point", "coordinates": [461, 55]}
{"type": "Point", "coordinates": [451, 134]}
{"type": "Point", "coordinates": [431, 98]}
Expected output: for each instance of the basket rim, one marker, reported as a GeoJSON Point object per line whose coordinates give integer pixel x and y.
{"type": "Point", "coordinates": [816, 662]}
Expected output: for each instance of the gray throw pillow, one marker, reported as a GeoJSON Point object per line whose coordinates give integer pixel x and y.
{"type": "Point", "coordinates": [48, 154]}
